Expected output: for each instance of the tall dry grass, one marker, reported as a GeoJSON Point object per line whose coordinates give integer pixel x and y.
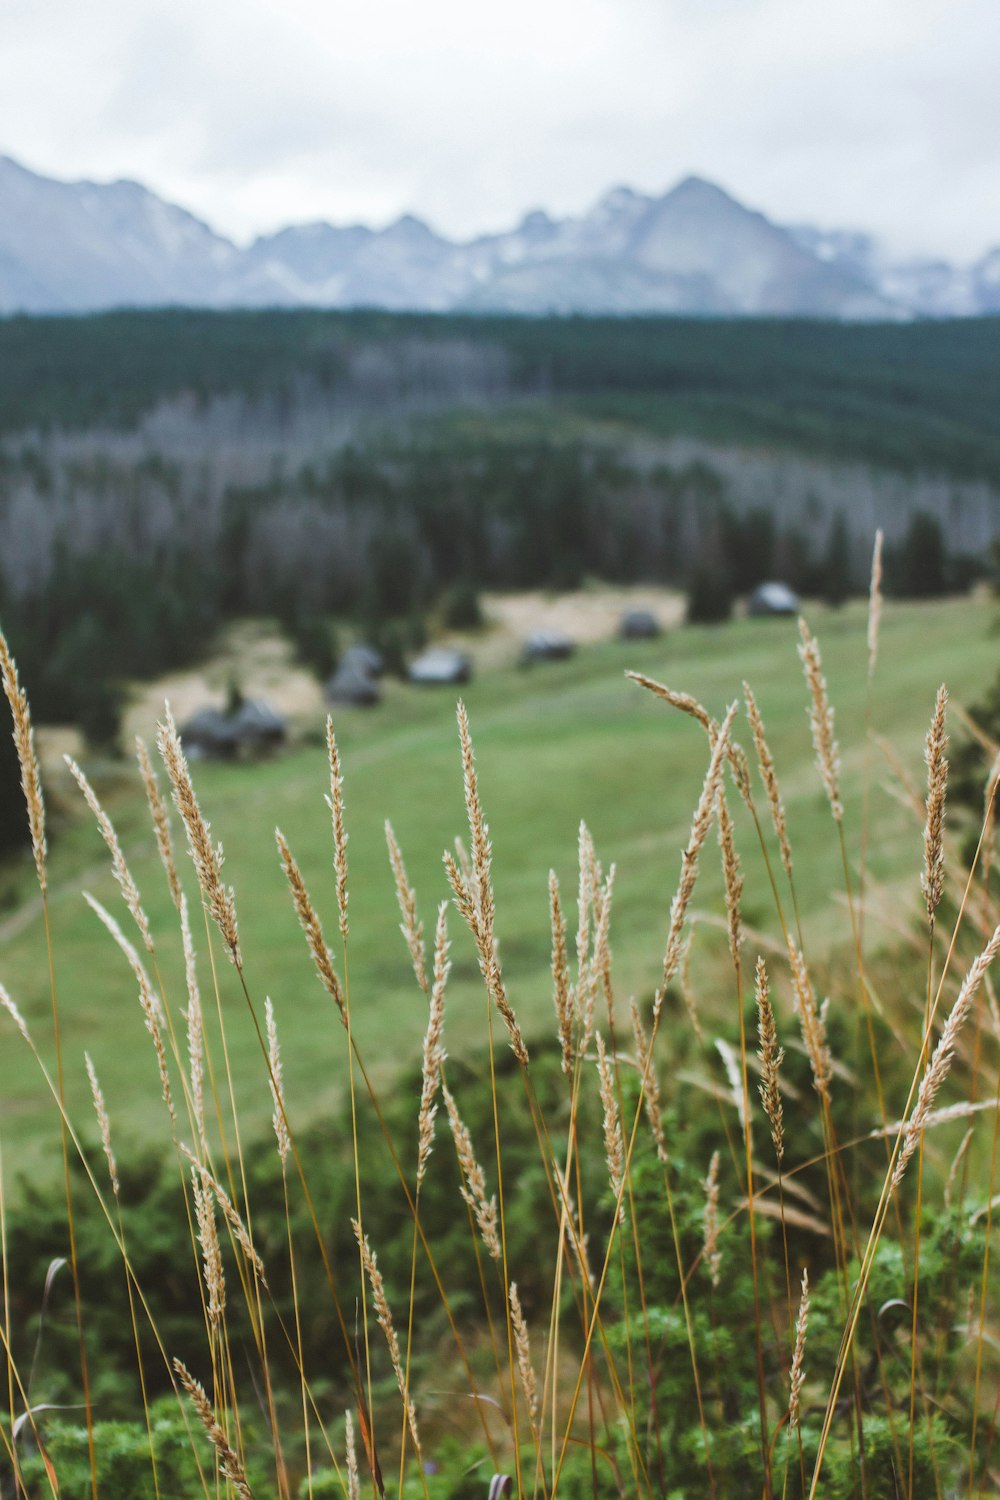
{"type": "Point", "coordinates": [768, 1247]}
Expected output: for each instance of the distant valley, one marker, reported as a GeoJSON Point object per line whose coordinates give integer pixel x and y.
{"type": "Point", "coordinates": [76, 247]}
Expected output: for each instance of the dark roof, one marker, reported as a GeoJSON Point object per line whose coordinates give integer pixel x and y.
{"type": "Point", "coordinates": [210, 731]}
{"type": "Point", "coordinates": [208, 723]}
{"type": "Point", "coordinates": [256, 719]}
{"type": "Point", "coordinates": [639, 625]}
{"type": "Point", "coordinates": [548, 645]}
{"type": "Point", "coordinates": [351, 684]}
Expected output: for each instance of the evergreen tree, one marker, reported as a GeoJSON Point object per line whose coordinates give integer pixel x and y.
{"type": "Point", "coordinates": [710, 597]}
{"type": "Point", "coordinates": [921, 567]}
{"type": "Point", "coordinates": [837, 562]}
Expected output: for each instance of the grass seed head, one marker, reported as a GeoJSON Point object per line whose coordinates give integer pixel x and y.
{"type": "Point", "coordinates": [161, 820]}
{"type": "Point", "coordinates": [24, 742]}
{"type": "Point", "coordinates": [335, 802]}
{"type": "Point", "coordinates": [275, 1083]}
{"type": "Point", "coordinates": [711, 1252]}
{"type": "Point", "coordinates": [821, 721]}
{"type": "Point", "coordinates": [230, 1463]}
{"type": "Point", "coordinates": [874, 604]}
{"type": "Point", "coordinates": [797, 1375]}
{"type": "Point", "coordinates": [311, 926]}
{"type": "Point", "coordinates": [771, 1057]}
{"type": "Point", "coordinates": [220, 900]}
{"type": "Point", "coordinates": [122, 873]}
{"type": "Point", "coordinates": [769, 776]}
{"type": "Point", "coordinates": [932, 877]}
{"type": "Point", "coordinates": [411, 927]}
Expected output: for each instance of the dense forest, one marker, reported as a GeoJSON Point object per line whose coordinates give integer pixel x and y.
{"type": "Point", "coordinates": [921, 397]}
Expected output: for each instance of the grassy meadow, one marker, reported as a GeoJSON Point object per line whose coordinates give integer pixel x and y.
{"type": "Point", "coordinates": [555, 744]}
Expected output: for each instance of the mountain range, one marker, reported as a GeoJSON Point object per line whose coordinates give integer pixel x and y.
{"type": "Point", "coordinates": [74, 247]}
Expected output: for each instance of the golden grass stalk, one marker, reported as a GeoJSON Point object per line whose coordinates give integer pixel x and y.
{"type": "Point", "coordinates": [122, 873]}
{"type": "Point", "coordinates": [689, 860]}
{"type": "Point", "coordinates": [711, 1253]}
{"type": "Point", "coordinates": [769, 776]}
{"type": "Point", "coordinates": [941, 1059]}
{"type": "Point", "coordinates": [585, 990]}
{"type": "Point", "coordinates": [161, 820]}
{"type": "Point", "coordinates": [797, 1374]}
{"type": "Point", "coordinates": [686, 704]}
{"type": "Point", "coordinates": [561, 988]}
{"type": "Point", "coordinates": [152, 1009]}
{"type": "Point", "coordinates": [614, 1145]}
{"type": "Point", "coordinates": [211, 1184]}
{"type": "Point", "coordinates": [601, 959]}
{"type": "Point", "coordinates": [353, 1480]}
{"type": "Point", "coordinates": [15, 1015]}
{"type": "Point", "coordinates": [483, 905]}
{"type": "Point", "coordinates": [230, 1464]}
{"type": "Point", "coordinates": [811, 1023]}
{"type": "Point", "coordinates": [127, 949]}
{"type": "Point", "coordinates": [473, 1187]}
{"type": "Point", "coordinates": [932, 878]}
{"type": "Point", "coordinates": [771, 1057]}
{"type": "Point", "coordinates": [734, 1078]}
{"type": "Point", "coordinates": [278, 1119]}
{"type": "Point", "coordinates": [335, 802]}
{"type": "Point", "coordinates": [311, 926]}
{"type": "Point", "coordinates": [103, 1124]}
{"type": "Point", "coordinates": [651, 1092]}
{"type": "Point", "coordinates": [681, 701]}
{"type": "Point", "coordinates": [459, 880]}
{"type": "Point", "coordinates": [524, 1367]}
{"type": "Point", "coordinates": [24, 742]}
{"type": "Point", "coordinates": [383, 1315]}
{"type": "Point", "coordinates": [220, 900]}
{"type": "Point", "coordinates": [433, 1052]}
{"type": "Point", "coordinates": [208, 1239]}
{"type": "Point", "coordinates": [584, 900]}
{"type": "Point", "coordinates": [411, 927]}
{"type": "Point", "coordinates": [731, 875]}
{"type": "Point", "coordinates": [195, 1028]}
{"type": "Point", "coordinates": [875, 603]}
{"type": "Point", "coordinates": [821, 721]}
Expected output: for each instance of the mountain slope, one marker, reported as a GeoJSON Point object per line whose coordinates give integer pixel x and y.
{"type": "Point", "coordinates": [78, 246]}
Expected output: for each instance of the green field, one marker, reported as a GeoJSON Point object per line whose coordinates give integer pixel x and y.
{"type": "Point", "coordinates": [554, 745]}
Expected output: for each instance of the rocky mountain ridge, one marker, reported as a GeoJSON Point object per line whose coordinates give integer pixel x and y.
{"type": "Point", "coordinates": [84, 247]}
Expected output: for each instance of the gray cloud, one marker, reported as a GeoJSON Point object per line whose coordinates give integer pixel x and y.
{"type": "Point", "coordinates": [871, 113]}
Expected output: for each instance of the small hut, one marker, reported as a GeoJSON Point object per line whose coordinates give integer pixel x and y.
{"type": "Point", "coordinates": [638, 625]}
{"type": "Point", "coordinates": [547, 645]}
{"type": "Point", "coordinates": [352, 684]}
{"type": "Point", "coordinates": [209, 734]}
{"type": "Point", "coordinates": [258, 726]}
{"type": "Point", "coordinates": [442, 666]}
{"type": "Point", "coordinates": [774, 598]}
{"type": "Point", "coordinates": [253, 728]}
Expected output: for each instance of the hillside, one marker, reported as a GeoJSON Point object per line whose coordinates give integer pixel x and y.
{"type": "Point", "coordinates": [554, 745]}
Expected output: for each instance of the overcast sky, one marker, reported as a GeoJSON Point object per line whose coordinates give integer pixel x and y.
{"type": "Point", "coordinates": [880, 114]}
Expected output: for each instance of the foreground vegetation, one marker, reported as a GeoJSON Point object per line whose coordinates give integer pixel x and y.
{"type": "Point", "coordinates": [733, 1239]}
